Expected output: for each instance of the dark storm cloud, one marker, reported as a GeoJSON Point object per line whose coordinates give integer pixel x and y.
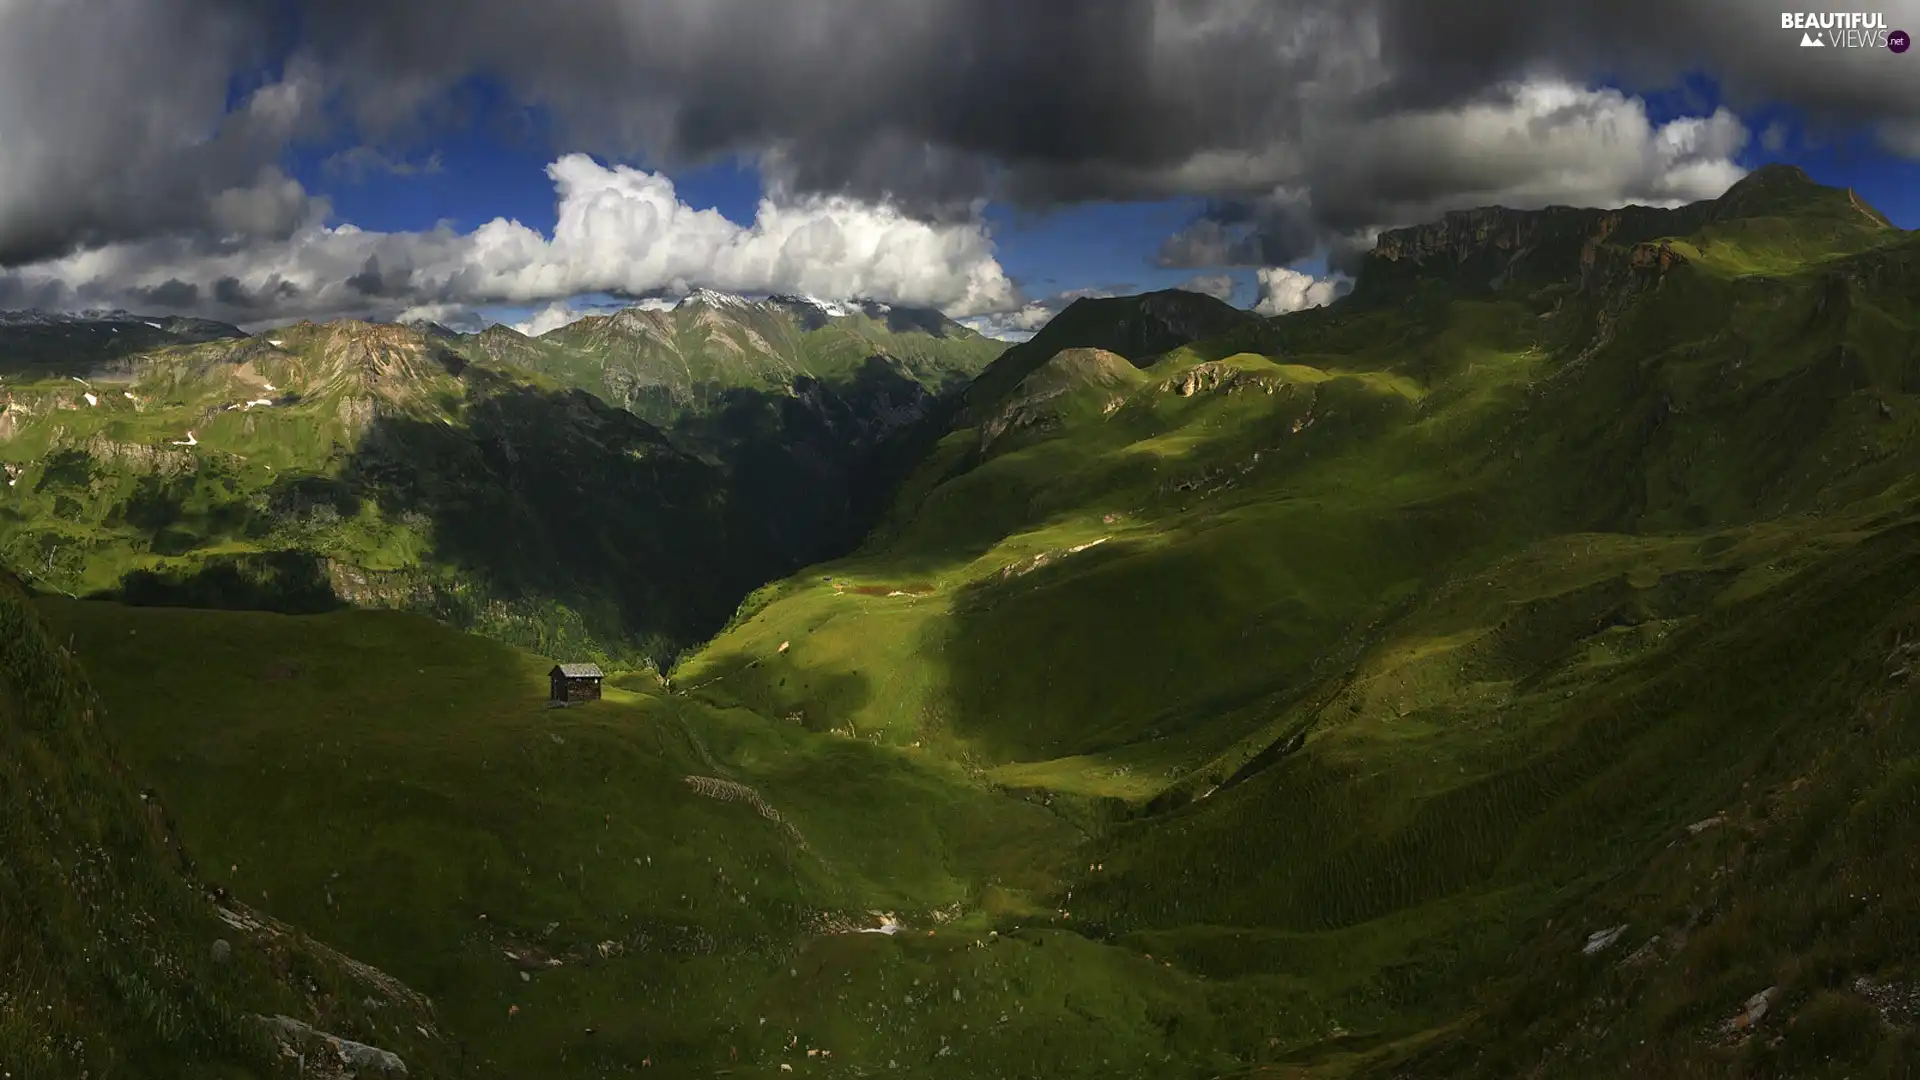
{"type": "Point", "coordinates": [1272, 231]}
{"type": "Point", "coordinates": [114, 122]}
{"type": "Point", "coordinates": [1218, 286]}
{"type": "Point", "coordinates": [1442, 52]}
{"type": "Point", "coordinates": [172, 293]}
{"type": "Point", "coordinates": [1058, 101]}
{"type": "Point", "coordinates": [1308, 123]}
{"type": "Point", "coordinates": [931, 103]}
{"type": "Point", "coordinates": [372, 281]}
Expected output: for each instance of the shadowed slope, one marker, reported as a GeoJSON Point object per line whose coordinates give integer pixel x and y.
{"type": "Point", "coordinates": [371, 464]}
{"type": "Point", "coordinates": [108, 957]}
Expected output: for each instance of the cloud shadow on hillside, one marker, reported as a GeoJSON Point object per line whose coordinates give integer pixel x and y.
{"type": "Point", "coordinates": [554, 499]}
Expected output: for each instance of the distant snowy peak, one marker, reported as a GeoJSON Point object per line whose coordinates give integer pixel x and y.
{"type": "Point", "coordinates": [829, 308]}
{"type": "Point", "coordinates": [199, 329]}
{"type": "Point", "coordinates": [36, 317]}
{"type": "Point", "coordinates": [713, 298]}
{"type": "Point", "coordinates": [813, 311]}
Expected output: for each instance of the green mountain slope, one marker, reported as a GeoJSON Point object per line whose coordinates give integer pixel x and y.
{"type": "Point", "coordinates": [1139, 328]}
{"type": "Point", "coordinates": [371, 464]}
{"type": "Point", "coordinates": [814, 411]}
{"type": "Point", "coordinates": [1381, 643]}
{"type": "Point", "coordinates": [112, 961]}
{"type": "Point", "coordinates": [635, 883]}
{"type": "Point", "coordinates": [1504, 671]}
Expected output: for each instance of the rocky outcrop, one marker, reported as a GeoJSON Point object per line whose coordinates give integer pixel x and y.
{"type": "Point", "coordinates": [1617, 277]}
{"type": "Point", "coordinates": [1136, 328]}
{"type": "Point", "coordinates": [1216, 377]}
{"type": "Point", "coordinates": [137, 457]}
{"type": "Point", "coordinates": [1074, 378]}
{"type": "Point", "coordinates": [327, 1055]}
{"type": "Point", "coordinates": [1465, 234]}
{"type": "Point", "coordinates": [356, 414]}
{"type": "Point", "coordinates": [401, 589]}
{"type": "Point", "coordinates": [1494, 246]}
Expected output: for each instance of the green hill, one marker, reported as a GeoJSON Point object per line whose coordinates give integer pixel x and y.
{"type": "Point", "coordinates": [1503, 671]}
{"type": "Point", "coordinates": [1138, 328]}
{"type": "Point", "coordinates": [1384, 645]}
{"type": "Point", "coordinates": [113, 960]}
{"type": "Point", "coordinates": [584, 890]}
{"type": "Point", "coordinates": [370, 464]}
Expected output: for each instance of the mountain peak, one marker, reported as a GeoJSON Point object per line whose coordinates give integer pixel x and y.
{"type": "Point", "coordinates": [712, 298]}
{"type": "Point", "coordinates": [429, 328]}
{"type": "Point", "coordinates": [42, 317]}
{"type": "Point", "coordinates": [1780, 190]}
{"type": "Point", "coordinates": [829, 308]}
{"type": "Point", "coordinates": [1773, 174]}
{"type": "Point", "coordinates": [636, 317]}
{"type": "Point", "coordinates": [1137, 328]}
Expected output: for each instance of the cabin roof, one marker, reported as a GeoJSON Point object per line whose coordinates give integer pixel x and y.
{"type": "Point", "coordinates": [578, 671]}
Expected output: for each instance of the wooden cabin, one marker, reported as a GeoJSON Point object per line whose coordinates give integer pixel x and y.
{"type": "Point", "coordinates": [575, 682]}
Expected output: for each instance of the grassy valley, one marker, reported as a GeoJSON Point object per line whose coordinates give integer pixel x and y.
{"type": "Point", "coordinates": [1503, 671]}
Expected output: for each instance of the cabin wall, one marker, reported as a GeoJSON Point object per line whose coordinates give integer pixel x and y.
{"type": "Point", "coordinates": [576, 689]}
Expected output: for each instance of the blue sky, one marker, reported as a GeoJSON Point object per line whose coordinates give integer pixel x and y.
{"type": "Point", "coordinates": [476, 176]}
{"type": "Point", "coordinates": [496, 159]}
{"type": "Point", "coordinates": [468, 175]}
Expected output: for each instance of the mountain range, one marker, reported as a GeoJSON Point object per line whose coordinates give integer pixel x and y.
{"type": "Point", "coordinates": [1502, 671]}
{"type": "Point", "coordinates": [505, 483]}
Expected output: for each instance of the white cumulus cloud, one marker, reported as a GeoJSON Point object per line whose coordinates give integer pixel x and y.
{"type": "Point", "coordinates": [1524, 145]}
{"type": "Point", "coordinates": [619, 230]}
{"type": "Point", "coordinates": [552, 317]}
{"type": "Point", "coordinates": [1020, 323]}
{"type": "Point", "coordinates": [1283, 290]}
{"type": "Point", "coordinates": [1218, 286]}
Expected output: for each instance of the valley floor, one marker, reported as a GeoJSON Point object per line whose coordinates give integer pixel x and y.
{"type": "Point", "coordinates": [1704, 740]}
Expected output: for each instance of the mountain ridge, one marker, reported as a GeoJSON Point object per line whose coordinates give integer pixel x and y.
{"type": "Point", "coordinates": [667, 363]}
{"type": "Point", "coordinates": [1493, 245]}
{"type": "Point", "coordinates": [1408, 661]}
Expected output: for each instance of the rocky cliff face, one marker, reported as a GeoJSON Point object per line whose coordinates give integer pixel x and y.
{"type": "Point", "coordinates": [1494, 247]}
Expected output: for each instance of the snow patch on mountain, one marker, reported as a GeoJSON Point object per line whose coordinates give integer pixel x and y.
{"type": "Point", "coordinates": [713, 298]}
{"type": "Point", "coordinates": [830, 308]}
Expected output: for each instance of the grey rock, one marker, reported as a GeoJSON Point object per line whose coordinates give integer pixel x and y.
{"type": "Point", "coordinates": [1600, 940]}
{"type": "Point", "coordinates": [363, 1059]}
